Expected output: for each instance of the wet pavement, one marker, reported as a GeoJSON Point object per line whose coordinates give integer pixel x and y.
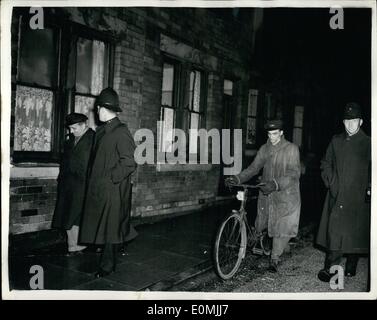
{"type": "Point", "coordinates": [163, 254]}
{"type": "Point", "coordinates": [167, 253]}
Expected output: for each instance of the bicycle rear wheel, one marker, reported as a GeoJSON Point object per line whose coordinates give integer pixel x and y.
{"type": "Point", "coordinates": [230, 246]}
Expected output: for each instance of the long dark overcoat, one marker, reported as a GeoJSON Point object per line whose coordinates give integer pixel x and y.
{"type": "Point", "coordinates": [345, 221]}
{"type": "Point", "coordinates": [279, 211]}
{"type": "Point", "coordinates": [72, 182]}
{"type": "Point", "coordinates": [106, 217]}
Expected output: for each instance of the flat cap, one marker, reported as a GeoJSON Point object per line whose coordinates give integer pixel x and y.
{"type": "Point", "coordinates": [273, 124]}
{"type": "Point", "coordinates": [352, 110]}
{"type": "Point", "coordinates": [75, 117]}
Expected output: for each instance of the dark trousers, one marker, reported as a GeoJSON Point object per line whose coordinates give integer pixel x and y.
{"type": "Point", "coordinates": [108, 257]}
{"type": "Point", "coordinates": [335, 257]}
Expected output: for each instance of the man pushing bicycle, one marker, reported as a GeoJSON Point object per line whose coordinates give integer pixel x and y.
{"type": "Point", "coordinates": [279, 200]}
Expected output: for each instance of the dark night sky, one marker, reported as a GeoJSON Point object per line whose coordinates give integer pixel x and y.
{"type": "Point", "coordinates": [300, 46]}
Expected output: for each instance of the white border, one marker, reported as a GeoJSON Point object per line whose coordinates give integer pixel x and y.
{"type": "Point", "coordinates": [6, 9]}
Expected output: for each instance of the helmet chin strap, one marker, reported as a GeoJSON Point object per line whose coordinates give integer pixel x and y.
{"type": "Point", "coordinates": [108, 115]}
{"type": "Point", "coordinates": [353, 133]}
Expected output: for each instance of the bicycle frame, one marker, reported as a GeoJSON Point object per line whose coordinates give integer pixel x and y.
{"type": "Point", "coordinates": [233, 237]}
{"type": "Point", "coordinates": [250, 231]}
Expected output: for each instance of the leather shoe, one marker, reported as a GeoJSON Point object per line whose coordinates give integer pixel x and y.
{"type": "Point", "coordinates": [350, 272]}
{"type": "Point", "coordinates": [324, 275]}
{"type": "Point", "coordinates": [273, 267]}
{"type": "Point", "coordinates": [73, 253]}
{"type": "Point", "coordinates": [102, 273]}
{"type": "Point", "coordinates": [351, 265]}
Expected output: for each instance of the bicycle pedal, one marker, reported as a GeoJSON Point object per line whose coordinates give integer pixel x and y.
{"type": "Point", "coordinates": [257, 251]}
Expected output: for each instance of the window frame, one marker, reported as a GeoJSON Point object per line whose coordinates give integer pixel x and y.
{"type": "Point", "coordinates": [297, 128]}
{"type": "Point", "coordinates": [181, 96]}
{"type": "Point", "coordinates": [202, 108]}
{"type": "Point", "coordinates": [79, 31]}
{"type": "Point", "coordinates": [63, 96]}
{"type": "Point", "coordinates": [19, 156]}
{"type": "Point", "coordinates": [251, 94]}
{"type": "Point", "coordinates": [176, 100]}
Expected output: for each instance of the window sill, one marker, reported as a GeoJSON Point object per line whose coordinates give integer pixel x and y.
{"type": "Point", "coordinates": [161, 167]}
{"type": "Point", "coordinates": [251, 152]}
{"type": "Point", "coordinates": [34, 171]}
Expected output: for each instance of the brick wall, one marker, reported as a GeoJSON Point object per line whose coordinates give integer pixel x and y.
{"type": "Point", "coordinates": [32, 202]}
{"type": "Point", "coordinates": [137, 78]}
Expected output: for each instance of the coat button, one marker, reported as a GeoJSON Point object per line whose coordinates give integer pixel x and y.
{"type": "Point", "coordinates": [341, 207]}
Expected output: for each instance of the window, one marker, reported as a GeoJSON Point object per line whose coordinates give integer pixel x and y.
{"type": "Point", "coordinates": [60, 69]}
{"type": "Point", "coordinates": [228, 87]}
{"type": "Point", "coordinates": [270, 110]}
{"type": "Point", "coordinates": [36, 89]}
{"type": "Point", "coordinates": [183, 99]}
{"type": "Point", "coordinates": [298, 125]}
{"type": "Point", "coordinates": [252, 117]}
{"type": "Point", "coordinates": [168, 106]}
{"type": "Point", "coordinates": [196, 114]}
{"type": "Point", "coordinates": [91, 63]}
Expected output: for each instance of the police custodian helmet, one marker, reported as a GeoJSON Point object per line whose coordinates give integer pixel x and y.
{"type": "Point", "coordinates": [108, 98]}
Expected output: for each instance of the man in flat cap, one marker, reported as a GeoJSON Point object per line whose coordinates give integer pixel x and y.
{"type": "Point", "coordinates": [279, 201]}
{"type": "Point", "coordinates": [106, 217]}
{"type": "Point", "coordinates": [345, 222]}
{"type": "Point", "coordinates": [72, 179]}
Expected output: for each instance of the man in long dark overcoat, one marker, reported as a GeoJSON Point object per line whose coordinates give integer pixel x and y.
{"type": "Point", "coordinates": [279, 200]}
{"type": "Point", "coordinates": [72, 179]}
{"type": "Point", "coordinates": [106, 217]}
{"type": "Point", "coordinates": [345, 222]}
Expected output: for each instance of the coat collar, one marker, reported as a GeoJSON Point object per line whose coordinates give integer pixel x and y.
{"type": "Point", "coordinates": [110, 125]}
{"type": "Point", "coordinates": [359, 135]}
{"type": "Point", "coordinates": [278, 146]}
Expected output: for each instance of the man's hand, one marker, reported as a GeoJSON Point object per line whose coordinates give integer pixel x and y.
{"type": "Point", "coordinates": [230, 181]}
{"type": "Point", "coordinates": [268, 186]}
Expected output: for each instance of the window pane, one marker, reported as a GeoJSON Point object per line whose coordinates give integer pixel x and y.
{"type": "Point", "coordinates": [38, 63]}
{"type": "Point", "coordinates": [228, 87]}
{"type": "Point", "coordinates": [251, 131]}
{"type": "Point", "coordinates": [166, 138]}
{"type": "Point", "coordinates": [297, 136]}
{"type": "Point", "coordinates": [194, 124]}
{"type": "Point", "coordinates": [299, 116]}
{"type": "Point", "coordinates": [33, 123]}
{"type": "Point", "coordinates": [85, 105]}
{"type": "Point", "coordinates": [270, 107]}
{"type": "Point", "coordinates": [195, 91]}
{"type": "Point", "coordinates": [167, 85]}
{"type": "Point", "coordinates": [253, 103]}
{"type": "Point", "coordinates": [90, 66]}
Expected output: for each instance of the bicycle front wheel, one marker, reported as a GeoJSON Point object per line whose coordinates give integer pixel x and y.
{"type": "Point", "coordinates": [230, 246]}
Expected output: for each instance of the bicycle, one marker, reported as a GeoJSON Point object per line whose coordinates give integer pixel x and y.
{"type": "Point", "coordinates": [233, 237]}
